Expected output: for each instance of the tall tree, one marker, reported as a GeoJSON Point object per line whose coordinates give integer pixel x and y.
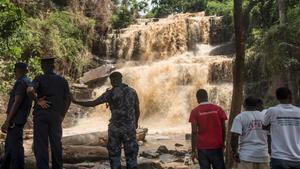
{"type": "Point", "coordinates": [282, 7]}
{"type": "Point", "coordinates": [238, 74]}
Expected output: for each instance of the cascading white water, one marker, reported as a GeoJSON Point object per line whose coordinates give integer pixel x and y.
{"type": "Point", "coordinates": [166, 91]}
{"type": "Point", "coordinates": [155, 61]}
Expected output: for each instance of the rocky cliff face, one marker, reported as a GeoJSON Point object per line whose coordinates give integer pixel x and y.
{"type": "Point", "coordinates": [155, 39]}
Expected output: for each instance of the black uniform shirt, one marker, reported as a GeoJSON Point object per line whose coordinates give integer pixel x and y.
{"type": "Point", "coordinates": [23, 111]}
{"type": "Point", "coordinates": [122, 101]}
{"type": "Point", "coordinates": [55, 88]}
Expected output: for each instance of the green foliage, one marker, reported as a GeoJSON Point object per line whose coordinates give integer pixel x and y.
{"type": "Point", "coordinates": [126, 13]}
{"type": "Point", "coordinates": [272, 49]}
{"type": "Point", "coordinates": [163, 8]}
{"type": "Point", "coordinates": [23, 38]}
{"type": "Point", "coordinates": [122, 18]}
{"type": "Point", "coordinates": [220, 8]}
{"type": "Point", "coordinates": [11, 19]}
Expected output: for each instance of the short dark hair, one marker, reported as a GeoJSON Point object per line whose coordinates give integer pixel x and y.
{"type": "Point", "coordinates": [283, 93]}
{"type": "Point", "coordinates": [115, 76]}
{"type": "Point", "coordinates": [250, 102]}
{"type": "Point", "coordinates": [21, 66]}
{"type": "Point", "coordinates": [259, 102]}
{"type": "Point", "coordinates": [48, 61]}
{"type": "Point", "coordinates": [202, 95]}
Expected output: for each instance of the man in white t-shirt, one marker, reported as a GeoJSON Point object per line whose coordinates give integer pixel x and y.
{"type": "Point", "coordinates": [248, 134]}
{"type": "Point", "coordinates": [284, 123]}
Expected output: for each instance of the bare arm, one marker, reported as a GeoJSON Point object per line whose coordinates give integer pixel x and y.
{"type": "Point", "coordinates": [223, 132]}
{"type": "Point", "coordinates": [12, 112]}
{"type": "Point", "coordinates": [234, 142]}
{"type": "Point", "coordinates": [15, 106]}
{"type": "Point", "coordinates": [194, 137]}
{"type": "Point", "coordinates": [269, 144]}
{"type": "Point", "coordinates": [234, 145]}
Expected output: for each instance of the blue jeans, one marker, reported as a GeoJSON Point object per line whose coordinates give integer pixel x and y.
{"type": "Point", "coordinates": [211, 157]}
{"type": "Point", "coordinates": [284, 164]}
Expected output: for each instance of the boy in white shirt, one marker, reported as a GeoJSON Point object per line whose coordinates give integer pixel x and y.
{"type": "Point", "coordinates": [248, 134]}
{"type": "Point", "coordinates": [284, 122]}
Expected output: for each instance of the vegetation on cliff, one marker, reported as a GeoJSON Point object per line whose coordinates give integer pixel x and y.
{"type": "Point", "coordinates": [75, 32]}
{"type": "Point", "coordinates": [29, 36]}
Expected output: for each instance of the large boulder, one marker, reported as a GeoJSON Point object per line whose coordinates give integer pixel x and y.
{"type": "Point", "coordinates": [97, 75]}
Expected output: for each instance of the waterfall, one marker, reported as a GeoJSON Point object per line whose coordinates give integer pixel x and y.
{"type": "Point", "coordinates": [167, 62]}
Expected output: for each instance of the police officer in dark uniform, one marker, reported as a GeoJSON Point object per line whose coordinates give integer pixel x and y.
{"type": "Point", "coordinates": [51, 91]}
{"type": "Point", "coordinates": [124, 105]}
{"type": "Point", "coordinates": [18, 109]}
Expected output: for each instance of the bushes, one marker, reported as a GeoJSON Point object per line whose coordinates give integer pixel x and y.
{"type": "Point", "coordinates": [163, 8]}
{"type": "Point", "coordinates": [24, 38]}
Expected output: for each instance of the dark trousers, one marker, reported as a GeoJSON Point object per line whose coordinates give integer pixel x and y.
{"type": "Point", "coordinates": [47, 127]}
{"type": "Point", "coordinates": [115, 140]}
{"type": "Point", "coordinates": [14, 151]}
{"type": "Point", "coordinates": [211, 157]}
{"type": "Point", "coordinates": [284, 164]}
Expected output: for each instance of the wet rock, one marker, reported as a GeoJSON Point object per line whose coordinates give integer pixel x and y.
{"type": "Point", "coordinates": [162, 150]}
{"type": "Point", "coordinates": [149, 154]}
{"type": "Point", "coordinates": [178, 153]}
{"type": "Point", "coordinates": [140, 143]}
{"type": "Point", "coordinates": [225, 49]}
{"type": "Point", "coordinates": [166, 158]}
{"type": "Point", "coordinates": [179, 160]}
{"type": "Point", "coordinates": [81, 91]}
{"type": "Point", "coordinates": [97, 75]}
{"type": "Point", "coordinates": [148, 164]}
{"type": "Point", "coordinates": [220, 72]}
{"type": "Point", "coordinates": [178, 145]}
{"type": "Point", "coordinates": [188, 136]}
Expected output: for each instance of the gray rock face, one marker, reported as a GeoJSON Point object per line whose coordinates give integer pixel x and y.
{"type": "Point", "coordinates": [97, 75]}
{"type": "Point", "coordinates": [149, 154]}
{"type": "Point", "coordinates": [162, 150]}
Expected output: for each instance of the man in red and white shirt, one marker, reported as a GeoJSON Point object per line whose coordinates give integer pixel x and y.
{"type": "Point", "coordinates": [208, 132]}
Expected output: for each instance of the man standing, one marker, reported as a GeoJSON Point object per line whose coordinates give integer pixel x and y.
{"type": "Point", "coordinates": [249, 136]}
{"type": "Point", "coordinates": [208, 130]}
{"type": "Point", "coordinates": [53, 92]}
{"type": "Point", "coordinates": [18, 109]}
{"type": "Point", "coordinates": [124, 105]}
{"type": "Point", "coordinates": [284, 123]}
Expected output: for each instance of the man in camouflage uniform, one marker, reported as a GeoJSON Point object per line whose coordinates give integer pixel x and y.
{"type": "Point", "coordinates": [124, 105]}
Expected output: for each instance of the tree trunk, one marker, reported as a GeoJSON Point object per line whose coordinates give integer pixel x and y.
{"type": "Point", "coordinates": [238, 75]}
{"type": "Point", "coordinates": [282, 7]}
{"type": "Point", "coordinates": [97, 138]}
{"type": "Point", "coordinates": [79, 154]}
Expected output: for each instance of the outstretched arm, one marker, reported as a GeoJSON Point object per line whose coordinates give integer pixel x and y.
{"type": "Point", "coordinates": [92, 103]}
{"type": "Point", "coordinates": [89, 103]}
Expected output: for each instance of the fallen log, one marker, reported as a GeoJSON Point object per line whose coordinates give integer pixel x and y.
{"type": "Point", "coordinates": [97, 138]}
{"type": "Point", "coordinates": [75, 155]}
{"type": "Point", "coordinates": [79, 154]}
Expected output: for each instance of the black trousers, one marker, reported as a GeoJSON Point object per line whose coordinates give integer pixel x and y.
{"type": "Point", "coordinates": [14, 150]}
{"type": "Point", "coordinates": [47, 127]}
{"type": "Point", "coordinates": [211, 157]}
{"type": "Point", "coordinates": [284, 164]}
